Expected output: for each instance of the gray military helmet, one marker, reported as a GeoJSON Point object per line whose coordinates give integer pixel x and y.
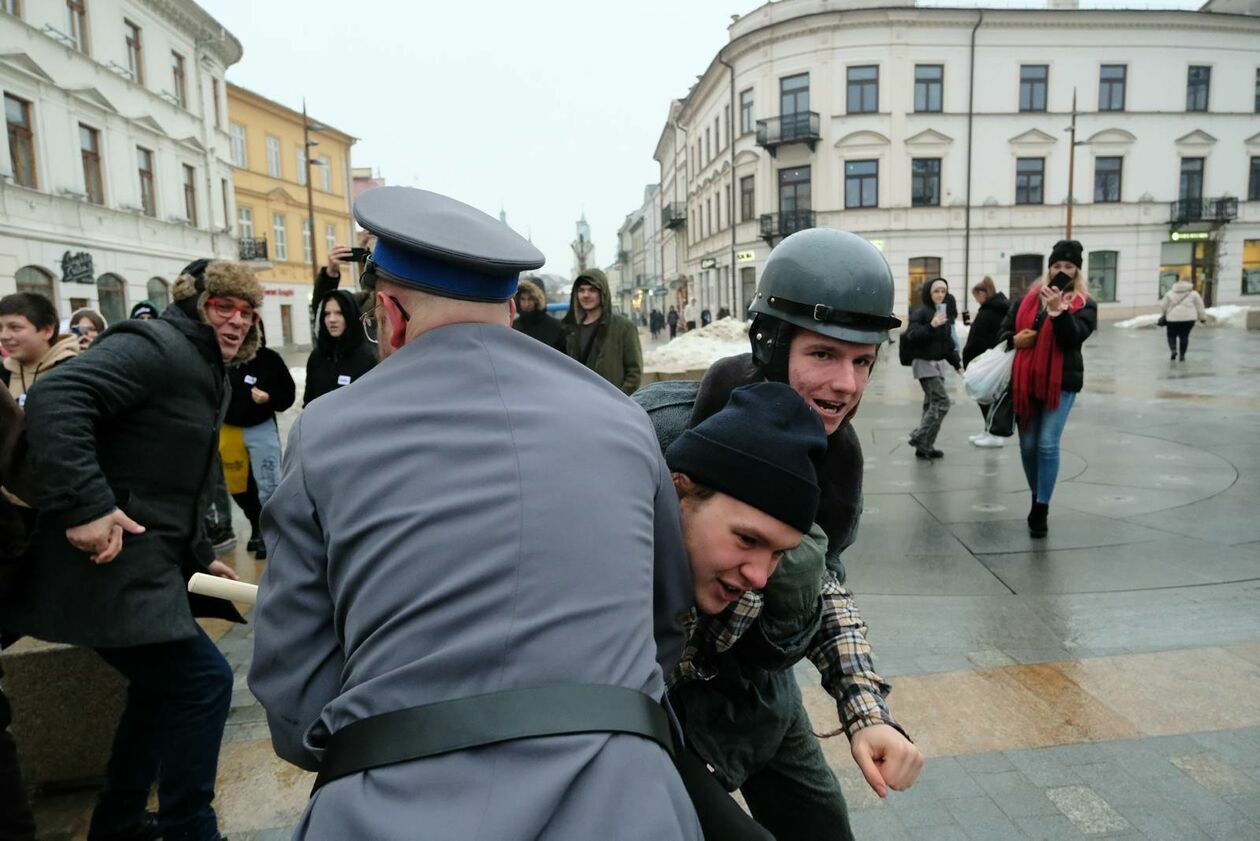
{"type": "Point", "coordinates": [831, 282]}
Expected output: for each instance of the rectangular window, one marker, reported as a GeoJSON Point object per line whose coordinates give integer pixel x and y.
{"type": "Point", "coordinates": [273, 157]}
{"type": "Point", "coordinates": [925, 182]}
{"type": "Point", "coordinates": [13, 7]}
{"type": "Point", "coordinates": [929, 80]}
{"type": "Point", "coordinates": [307, 256]}
{"type": "Point", "coordinates": [863, 95]}
{"type": "Point", "coordinates": [794, 191]}
{"type": "Point", "coordinates": [237, 133]}
{"type": "Point", "coordinates": [76, 24]}
{"type": "Point", "coordinates": [726, 114]}
{"type": "Point", "coordinates": [746, 107]}
{"type": "Point", "coordinates": [1102, 275]}
{"type": "Point", "coordinates": [302, 169]}
{"type": "Point", "coordinates": [794, 106]}
{"type": "Point", "coordinates": [1032, 86]}
{"type": "Point", "coordinates": [190, 195]}
{"type": "Point", "coordinates": [330, 237]}
{"type": "Point", "coordinates": [227, 203]}
{"type": "Point", "coordinates": [325, 174]}
{"type": "Point", "coordinates": [179, 80]}
{"type": "Point", "coordinates": [922, 269]}
{"type": "Point", "coordinates": [1111, 80]}
{"type": "Point", "coordinates": [245, 222]}
{"type": "Point", "coordinates": [214, 88]}
{"type": "Point", "coordinates": [1190, 188]}
{"type": "Point", "coordinates": [135, 52]}
{"type": "Point", "coordinates": [278, 234]}
{"type": "Point", "coordinates": [1258, 90]}
{"type": "Point", "coordinates": [1107, 177]}
{"type": "Point", "coordinates": [17, 118]}
{"type": "Point", "coordinates": [708, 217]}
{"type": "Point", "coordinates": [747, 204]}
{"type": "Point", "coordinates": [1253, 183]}
{"type": "Point", "coordinates": [1251, 267]}
{"type": "Point", "coordinates": [90, 151]}
{"type": "Point", "coordinates": [144, 167]}
{"type": "Point", "coordinates": [1198, 80]}
{"type": "Point", "coordinates": [1030, 175]}
{"type": "Point", "coordinates": [861, 184]}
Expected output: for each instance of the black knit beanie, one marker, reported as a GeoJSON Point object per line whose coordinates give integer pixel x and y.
{"type": "Point", "coordinates": [1067, 249]}
{"type": "Point", "coordinates": [762, 448]}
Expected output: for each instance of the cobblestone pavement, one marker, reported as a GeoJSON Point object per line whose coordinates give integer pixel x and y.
{"type": "Point", "coordinates": [1103, 683]}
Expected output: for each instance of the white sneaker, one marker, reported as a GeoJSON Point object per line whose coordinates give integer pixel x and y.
{"type": "Point", "coordinates": [989, 441]}
{"type": "Point", "coordinates": [974, 438]}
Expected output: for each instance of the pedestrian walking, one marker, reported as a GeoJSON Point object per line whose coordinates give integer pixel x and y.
{"type": "Point", "coordinates": [450, 585]}
{"type": "Point", "coordinates": [87, 325]}
{"type": "Point", "coordinates": [691, 313]}
{"type": "Point", "coordinates": [823, 309]}
{"type": "Point", "coordinates": [985, 329]}
{"type": "Point", "coordinates": [123, 439]}
{"type": "Point", "coordinates": [28, 334]}
{"type": "Point", "coordinates": [533, 319]}
{"type": "Point", "coordinates": [934, 350]}
{"type": "Point", "coordinates": [600, 339]}
{"type": "Point", "coordinates": [342, 353]}
{"type": "Point", "coordinates": [1180, 308]}
{"type": "Point", "coordinates": [672, 320]}
{"type": "Point", "coordinates": [1047, 328]}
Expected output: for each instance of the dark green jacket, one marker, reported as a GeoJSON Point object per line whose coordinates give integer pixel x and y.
{"type": "Point", "coordinates": [615, 353]}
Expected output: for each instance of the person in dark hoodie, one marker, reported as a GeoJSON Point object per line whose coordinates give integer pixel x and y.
{"type": "Point", "coordinates": [342, 352]}
{"type": "Point", "coordinates": [931, 339]}
{"type": "Point", "coordinates": [261, 389]}
{"type": "Point", "coordinates": [532, 318]}
{"type": "Point", "coordinates": [122, 440]}
{"type": "Point", "coordinates": [985, 328]}
{"type": "Point", "coordinates": [600, 339]}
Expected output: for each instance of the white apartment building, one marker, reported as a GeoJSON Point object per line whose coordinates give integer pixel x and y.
{"type": "Point", "coordinates": [638, 258]}
{"type": "Point", "coordinates": [942, 134]}
{"type": "Point", "coordinates": [114, 172]}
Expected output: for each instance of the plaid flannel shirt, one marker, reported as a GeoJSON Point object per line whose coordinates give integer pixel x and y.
{"type": "Point", "coordinates": [838, 649]}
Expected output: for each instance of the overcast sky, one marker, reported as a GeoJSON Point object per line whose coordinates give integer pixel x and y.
{"type": "Point", "coordinates": [546, 109]}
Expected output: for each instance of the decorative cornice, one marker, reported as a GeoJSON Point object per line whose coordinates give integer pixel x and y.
{"type": "Point", "coordinates": [929, 137]}
{"type": "Point", "coordinates": [1033, 137]}
{"type": "Point", "coordinates": [93, 97]}
{"type": "Point", "coordinates": [1198, 137]}
{"type": "Point", "coordinates": [146, 121]}
{"type": "Point", "coordinates": [862, 138]}
{"type": "Point", "coordinates": [1112, 135]}
{"type": "Point", "coordinates": [1254, 140]}
{"type": "Point", "coordinates": [209, 34]}
{"type": "Point", "coordinates": [23, 63]}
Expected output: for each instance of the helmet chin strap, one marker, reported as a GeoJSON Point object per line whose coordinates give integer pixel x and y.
{"type": "Point", "coordinates": [771, 342]}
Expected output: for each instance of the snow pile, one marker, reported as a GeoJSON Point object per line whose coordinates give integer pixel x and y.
{"type": "Point", "coordinates": [1226, 315]}
{"type": "Point", "coordinates": [700, 348]}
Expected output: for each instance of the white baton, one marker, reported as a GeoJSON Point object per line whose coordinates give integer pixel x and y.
{"type": "Point", "coordinates": [223, 588]}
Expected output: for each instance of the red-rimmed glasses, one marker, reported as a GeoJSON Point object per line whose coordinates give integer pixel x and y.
{"type": "Point", "coordinates": [225, 308]}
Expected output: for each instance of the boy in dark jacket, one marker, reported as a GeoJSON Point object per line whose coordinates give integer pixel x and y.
{"type": "Point", "coordinates": [932, 342]}
{"type": "Point", "coordinates": [984, 335]}
{"type": "Point", "coordinates": [532, 318]}
{"type": "Point", "coordinates": [342, 352]}
{"type": "Point", "coordinates": [600, 339]}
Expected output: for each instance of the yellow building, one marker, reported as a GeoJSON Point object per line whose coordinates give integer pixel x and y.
{"type": "Point", "coordinates": [270, 182]}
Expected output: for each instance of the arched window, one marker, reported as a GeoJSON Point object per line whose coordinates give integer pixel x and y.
{"type": "Point", "coordinates": [112, 293]}
{"type": "Point", "coordinates": [35, 279]}
{"type": "Point", "coordinates": [159, 292]}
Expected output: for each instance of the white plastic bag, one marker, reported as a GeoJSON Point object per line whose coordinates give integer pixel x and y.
{"type": "Point", "coordinates": [988, 374]}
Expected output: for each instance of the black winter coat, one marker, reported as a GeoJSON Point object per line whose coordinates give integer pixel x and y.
{"type": "Point", "coordinates": [1071, 329]}
{"type": "Point", "coordinates": [265, 371]}
{"type": "Point", "coordinates": [985, 327]}
{"type": "Point", "coordinates": [337, 362]}
{"type": "Point", "coordinates": [928, 342]}
{"type": "Point", "coordinates": [133, 425]}
{"type": "Point", "coordinates": [541, 326]}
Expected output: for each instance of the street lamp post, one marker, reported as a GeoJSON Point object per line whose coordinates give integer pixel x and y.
{"type": "Point", "coordinates": [1071, 166]}
{"type": "Point", "coordinates": [307, 143]}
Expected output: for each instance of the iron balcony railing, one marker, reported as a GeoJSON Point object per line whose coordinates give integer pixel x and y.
{"type": "Point", "coordinates": [801, 127]}
{"type": "Point", "coordinates": [674, 215]}
{"type": "Point", "coordinates": [253, 248]}
{"type": "Point", "coordinates": [1184, 211]}
{"type": "Point", "coordinates": [786, 222]}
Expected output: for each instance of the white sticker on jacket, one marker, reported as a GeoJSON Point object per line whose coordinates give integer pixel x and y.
{"type": "Point", "coordinates": [250, 379]}
{"type": "Point", "coordinates": [343, 379]}
{"type": "Point", "coordinates": [21, 401]}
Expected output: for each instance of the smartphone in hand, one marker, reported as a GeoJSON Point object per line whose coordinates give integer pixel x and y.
{"type": "Point", "coordinates": [1061, 281]}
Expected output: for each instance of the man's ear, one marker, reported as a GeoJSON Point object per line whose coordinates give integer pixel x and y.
{"type": "Point", "coordinates": [511, 309]}
{"type": "Point", "coordinates": [397, 325]}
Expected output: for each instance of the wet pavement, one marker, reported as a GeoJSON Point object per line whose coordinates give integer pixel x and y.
{"type": "Point", "coordinates": [1101, 683]}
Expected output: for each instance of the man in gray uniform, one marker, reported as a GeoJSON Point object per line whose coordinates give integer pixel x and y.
{"type": "Point", "coordinates": [432, 633]}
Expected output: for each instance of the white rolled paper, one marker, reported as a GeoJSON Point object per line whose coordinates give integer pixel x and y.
{"type": "Point", "coordinates": [223, 588]}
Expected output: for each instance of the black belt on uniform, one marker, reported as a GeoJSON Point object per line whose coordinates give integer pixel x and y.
{"type": "Point", "coordinates": [490, 719]}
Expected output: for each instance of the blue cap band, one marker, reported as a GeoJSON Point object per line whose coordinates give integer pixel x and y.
{"type": "Point", "coordinates": [412, 268]}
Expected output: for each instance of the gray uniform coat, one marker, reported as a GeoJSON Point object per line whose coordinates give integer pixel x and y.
{"type": "Point", "coordinates": [477, 513]}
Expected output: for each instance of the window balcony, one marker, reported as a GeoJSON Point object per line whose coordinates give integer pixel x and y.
{"type": "Point", "coordinates": [785, 223]}
{"type": "Point", "coordinates": [802, 127]}
{"type": "Point", "coordinates": [254, 248]}
{"type": "Point", "coordinates": [1215, 211]}
{"type": "Point", "coordinates": [674, 215]}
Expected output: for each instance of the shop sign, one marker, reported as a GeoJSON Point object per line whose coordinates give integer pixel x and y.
{"type": "Point", "coordinates": [1186, 236]}
{"type": "Point", "coordinates": [708, 263]}
{"type": "Point", "coordinates": [77, 268]}
{"type": "Point", "coordinates": [745, 256]}
{"type": "Point", "coordinates": [284, 293]}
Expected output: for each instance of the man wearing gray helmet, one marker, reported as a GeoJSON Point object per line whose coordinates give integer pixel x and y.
{"type": "Point", "coordinates": [822, 310]}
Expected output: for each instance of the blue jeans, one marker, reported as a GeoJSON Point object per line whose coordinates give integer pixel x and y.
{"type": "Point", "coordinates": [263, 444]}
{"type": "Point", "coordinates": [1039, 445]}
{"type": "Point", "coordinates": [178, 698]}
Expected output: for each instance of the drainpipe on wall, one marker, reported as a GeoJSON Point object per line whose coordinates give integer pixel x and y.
{"type": "Point", "coordinates": [971, 98]}
{"type": "Point", "coordinates": [679, 246]}
{"type": "Point", "coordinates": [208, 154]}
{"type": "Point", "coordinates": [730, 203]}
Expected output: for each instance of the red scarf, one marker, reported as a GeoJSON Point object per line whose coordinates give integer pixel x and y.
{"type": "Point", "coordinates": [1038, 371]}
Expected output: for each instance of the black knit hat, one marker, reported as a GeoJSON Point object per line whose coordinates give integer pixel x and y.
{"type": "Point", "coordinates": [1067, 249]}
{"type": "Point", "coordinates": [762, 448]}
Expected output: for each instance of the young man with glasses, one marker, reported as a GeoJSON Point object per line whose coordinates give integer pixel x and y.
{"type": "Point", "coordinates": [124, 440]}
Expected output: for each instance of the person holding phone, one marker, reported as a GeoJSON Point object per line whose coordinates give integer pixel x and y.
{"type": "Point", "coordinates": [930, 334]}
{"type": "Point", "coordinates": [1047, 328]}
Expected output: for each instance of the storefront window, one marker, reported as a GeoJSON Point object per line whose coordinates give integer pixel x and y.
{"type": "Point", "coordinates": [1251, 267]}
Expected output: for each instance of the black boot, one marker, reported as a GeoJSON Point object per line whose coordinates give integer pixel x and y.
{"type": "Point", "coordinates": [1038, 519]}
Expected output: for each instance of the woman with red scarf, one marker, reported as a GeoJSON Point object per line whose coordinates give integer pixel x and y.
{"type": "Point", "coordinates": [1047, 328]}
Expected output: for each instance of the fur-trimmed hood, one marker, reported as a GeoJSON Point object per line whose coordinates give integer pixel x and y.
{"type": "Point", "coordinates": [528, 288]}
{"type": "Point", "coordinates": [205, 279]}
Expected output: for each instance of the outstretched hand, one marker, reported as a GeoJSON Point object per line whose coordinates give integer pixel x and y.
{"type": "Point", "coordinates": [103, 537]}
{"type": "Point", "coordinates": [887, 759]}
